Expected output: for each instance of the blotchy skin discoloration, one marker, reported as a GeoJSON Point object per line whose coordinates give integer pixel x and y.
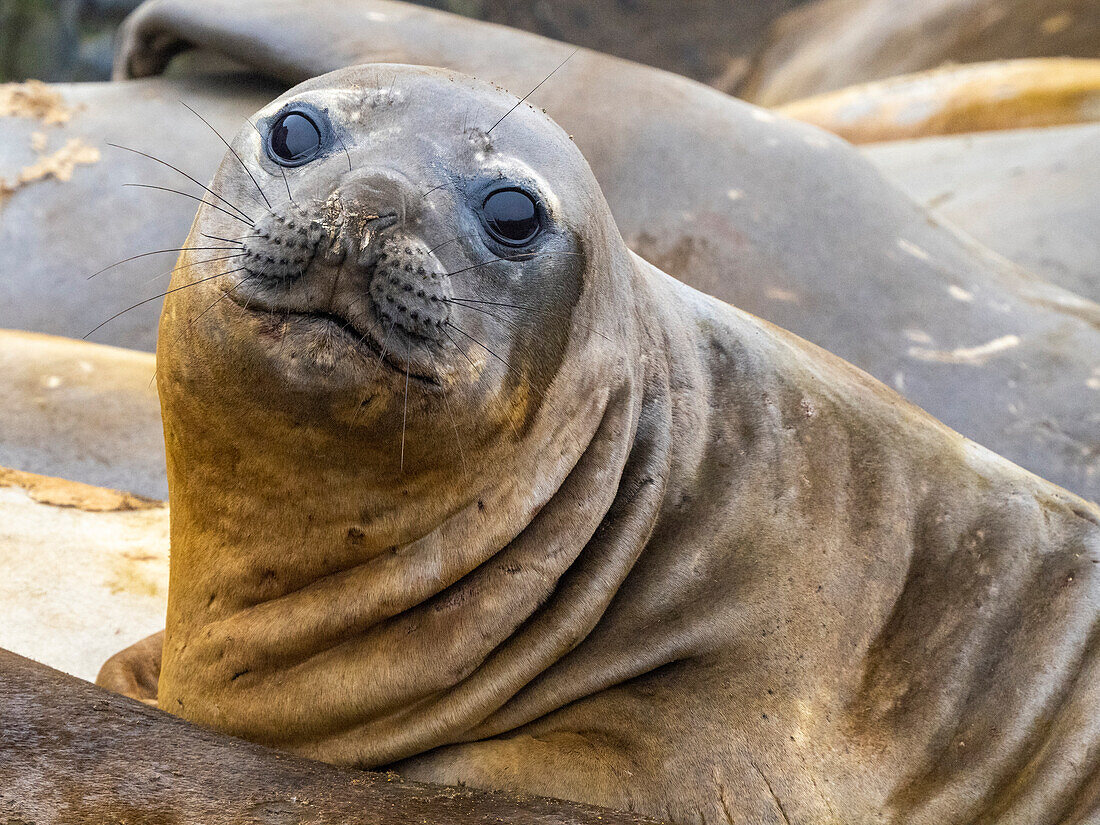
{"type": "Point", "coordinates": [674, 559]}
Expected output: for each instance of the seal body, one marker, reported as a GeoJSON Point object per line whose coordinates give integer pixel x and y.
{"type": "Point", "coordinates": [462, 487]}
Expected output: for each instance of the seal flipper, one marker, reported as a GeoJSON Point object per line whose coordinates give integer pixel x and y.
{"type": "Point", "coordinates": [135, 670]}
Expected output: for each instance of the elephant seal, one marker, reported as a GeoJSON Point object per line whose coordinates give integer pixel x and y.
{"type": "Point", "coordinates": [1032, 194]}
{"type": "Point", "coordinates": [461, 487]}
{"type": "Point", "coordinates": [80, 411]}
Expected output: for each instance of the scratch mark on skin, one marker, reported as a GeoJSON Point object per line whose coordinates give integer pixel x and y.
{"type": "Point", "coordinates": [778, 803]}
{"type": "Point", "coordinates": [960, 294]}
{"type": "Point", "coordinates": [973, 356]}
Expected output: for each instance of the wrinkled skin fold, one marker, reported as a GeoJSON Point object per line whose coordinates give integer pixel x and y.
{"type": "Point", "coordinates": [577, 529]}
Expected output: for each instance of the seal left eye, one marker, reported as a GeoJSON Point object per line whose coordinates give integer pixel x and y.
{"type": "Point", "coordinates": [511, 216]}
{"type": "Point", "coordinates": [294, 139]}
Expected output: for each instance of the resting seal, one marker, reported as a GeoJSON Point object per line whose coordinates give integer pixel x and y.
{"type": "Point", "coordinates": [462, 487]}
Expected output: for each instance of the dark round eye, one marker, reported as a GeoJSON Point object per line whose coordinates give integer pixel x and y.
{"type": "Point", "coordinates": [294, 139]}
{"type": "Point", "coordinates": [511, 216]}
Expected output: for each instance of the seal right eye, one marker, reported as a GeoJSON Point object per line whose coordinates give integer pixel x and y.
{"type": "Point", "coordinates": [294, 139]}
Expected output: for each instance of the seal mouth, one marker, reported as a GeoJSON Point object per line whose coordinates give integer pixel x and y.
{"type": "Point", "coordinates": [331, 323]}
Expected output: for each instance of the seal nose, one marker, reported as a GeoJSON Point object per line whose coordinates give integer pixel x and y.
{"type": "Point", "coordinates": [362, 204]}
{"type": "Point", "coordinates": [408, 286]}
{"type": "Point", "coordinates": [377, 193]}
{"type": "Point", "coordinates": [410, 289]}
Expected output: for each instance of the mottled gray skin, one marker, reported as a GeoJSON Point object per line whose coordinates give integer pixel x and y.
{"type": "Point", "coordinates": [774, 217]}
{"type": "Point", "coordinates": [623, 544]}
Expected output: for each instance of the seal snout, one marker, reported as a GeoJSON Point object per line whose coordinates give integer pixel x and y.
{"type": "Point", "coordinates": [376, 212]}
{"type": "Point", "coordinates": [409, 289]}
{"type": "Point", "coordinates": [283, 244]}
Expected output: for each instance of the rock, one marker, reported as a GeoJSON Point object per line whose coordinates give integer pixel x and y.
{"type": "Point", "coordinates": [81, 411]}
{"type": "Point", "coordinates": [85, 572]}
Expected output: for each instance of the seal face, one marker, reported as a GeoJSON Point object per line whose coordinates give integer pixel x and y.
{"type": "Point", "coordinates": [460, 486]}
{"type": "Point", "coordinates": [388, 268]}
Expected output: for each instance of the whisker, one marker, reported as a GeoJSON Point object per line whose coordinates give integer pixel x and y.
{"type": "Point", "coordinates": [193, 263]}
{"type": "Point", "coordinates": [434, 188]}
{"type": "Point", "coordinates": [219, 238]}
{"type": "Point", "coordinates": [506, 321]}
{"type": "Point", "coordinates": [523, 257]}
{"type": "Point", "coordinates": [377, 366]}
{"type": "Point", "coordinates": [285, 181]}
{"type": "Point", "coordinates": [506, 364]}
{"type": "Point", "coordinates": [241, 239]}
{"type": "Point", "coordinates": [529, 309]}
{"type": "Point", "coordinates": [520, 101]}
{"type": "Point", "coordinates": [452, 240]}
{"type": "Point", "coordinates": [222, 297]}
{"type": "Point", "coordinates": [512, 369]}
{"type": "Point", "coordinates": [463, 332]}
{"type": "Point", "coordinates": [161, 295]}
{"type": "Point", "coordinates": [405, 413]}
{"type": "Point", "coordinates": [460, 349]}
{"type": "Point", "coordinates": [281, 169]}
{"type": "Point", "coordinates": [345, 148]}
{"type": "Point", "coordinates": [193, 197]}
{"type": "Point", "coordinates": [177, 169]}
{"type": "Point", "coordinates": [231, 149]}
{"type": "Point", "coordinates": [454, 423]}
{"type": "Point", "coordinates": [160, 252]}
